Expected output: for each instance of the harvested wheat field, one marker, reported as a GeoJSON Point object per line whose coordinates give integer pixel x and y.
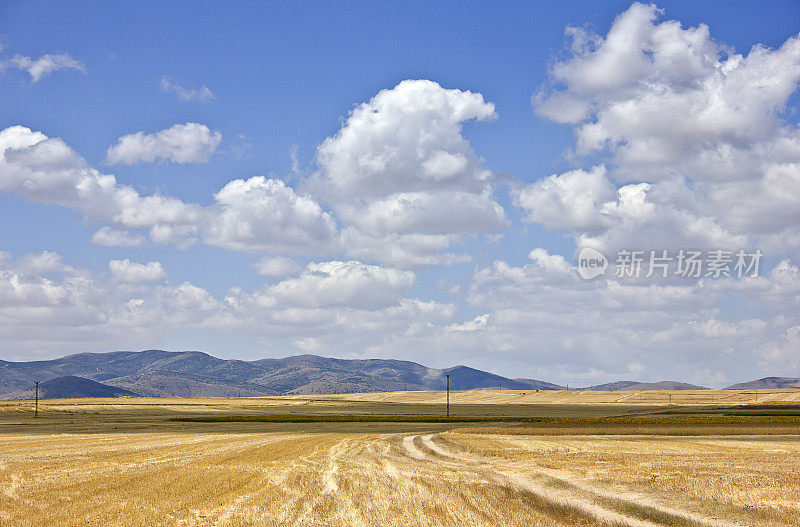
{"type": "Point", "coordinates": [135, 464]}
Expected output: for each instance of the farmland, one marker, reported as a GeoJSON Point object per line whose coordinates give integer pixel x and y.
{"type": "Point", "coordinates": [561, 458]}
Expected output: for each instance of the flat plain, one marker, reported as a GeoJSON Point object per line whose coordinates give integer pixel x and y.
{"type": "Point", "coordinates": [535, 458]}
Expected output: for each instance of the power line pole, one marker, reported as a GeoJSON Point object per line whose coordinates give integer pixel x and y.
{"type": "Point", "coordinates": [36, 412]}
{"type": "Point", "coordinates": [448, 395]}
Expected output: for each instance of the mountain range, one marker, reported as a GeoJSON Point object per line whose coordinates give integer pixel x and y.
{"type": "Point", "coordinates": [68, 387]}
{"type": "Point", "coordinates": [768, 382]}
{"type": "Point", "coordinates": [157, 373]}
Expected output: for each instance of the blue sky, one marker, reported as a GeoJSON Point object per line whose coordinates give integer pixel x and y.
{"type": "Point", "coordinates": [280, 79]}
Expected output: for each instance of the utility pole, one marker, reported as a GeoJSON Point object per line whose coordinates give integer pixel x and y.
{"type": "Point", "coordinates": [36, 412]}
{"type": "Point", "coordinates": [448, 395]}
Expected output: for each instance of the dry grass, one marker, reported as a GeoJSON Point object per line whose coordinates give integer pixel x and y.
{"type": "Point", "coordinates": [755, 479]}
{"type": "Point", "coordinates": [253, 479]}
{"type": "Point", "coordinates": [126, 462]}
{"type": "Point", "coordinates": [650, 397]}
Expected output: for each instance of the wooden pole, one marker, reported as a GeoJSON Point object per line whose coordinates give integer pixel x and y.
{"type": "Point", "coordinates": [448, 395]}
{"type": "Point", "coordinates": [36, 412]}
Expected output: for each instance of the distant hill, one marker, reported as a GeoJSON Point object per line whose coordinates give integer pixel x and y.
{"type": "Point", "coordinates": [71, 387]}
{"type": "Point", "coordinates": [156, 373]}
{"type": "Point", "coordinates": [767, 382]}
{"type": "Point", "coordinates": [636, 385]}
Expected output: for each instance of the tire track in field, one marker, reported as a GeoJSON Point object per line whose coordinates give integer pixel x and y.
{"type": "Point", "coordinates": [628, 509]}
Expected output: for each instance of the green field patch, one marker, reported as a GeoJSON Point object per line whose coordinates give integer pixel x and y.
{"type": "Point", "coordinates": [290, 418]}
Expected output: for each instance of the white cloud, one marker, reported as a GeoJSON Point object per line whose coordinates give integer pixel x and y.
{"type": "Point", "coordinates": [44, 65]}
{"type": "Point", "coordinates": [692, 132]}
{"type": "Point", "coordinates": [553, 264]}
{"type": "Point", "coordinates": [426, 213]}
{"type": "Point", "coordinates": [476, 324]}
{"type": "Point", "coordinates": [49, 308]}
{"type": "Point", "coordinates": [407, 139]}
{"type": "Point", "coordinates": [538, 320]}
{"type": "Point", "coordinates": [403, 179]}
{"type": "Point", "coordinates": [420, 189]}
{"type": "Point", "coordinates": [117, 238]}
{"type": "Point", "coordinates": [201, 94]}
{"type": "Point", "coordinates": [543, 314]}
{"type": "Point", "coordinates": [572, 200]}
{"type": "Point", "coordinates": [132, 272]}
{"type": "Point", "coordinates": [257, 214]}
{"type": "Point", "coordinates": [335, 283]}
{"type": "Point", "coordinates": [684, 144]}
{"type": "Point", "coordinates": [265, 215]}
{"type": "Point", "coordinates": [781, 355]}
{"type": "Point", "coordinates": [403, 250]}
{"type": "Point", "coordinates": [180, 143]}
{"type": "Point", "coordinates": [47, 171]}
{"type": "Point", "coordinates": [278, 266]}
{"type": "Point", "coordinates": [43, 262]}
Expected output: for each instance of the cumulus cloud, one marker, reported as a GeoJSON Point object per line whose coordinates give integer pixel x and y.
{"type": "Point", "coordinates": [180, 143]}
{"type": "Point", "coordinates": [202, 94]}
{"type": "Point", "coordinates": [404, 250]}
{"type": "Point", "coordinates": [117, 238]}
{"type": "Point", "coordinates": [257, 214]}
{"type": "Point", "coordinates": [46, 170]}
{"type": "Point", "coordinates": [406, 139]}
{"type": "Point", "coordinates": [680, 142]}
{"type": "Point", "coordinates": [541, 313]}
{"type": "Point", "coordinates": [132, 272]}
{"type": "Point", "coordinates": [573, 200]}
{"type": "Point", "coordinates": [265, 215]}
{"type": "Point", "coordinates": [44, 65]}
{"type": "Point", "coordinates": [402, 179]}
{"type": "Point", "coordinates": [336, 283]}
{"type": "Point", "coordinates": [781, 355]}
{"type": "Point", "coordinates": [278, 266]}
{"type": "Point", "coordinates": [425, 213]}
{"type": "Point", "coordinates": [50, 307]}
{"type": "Point", "coordinates": [400, 168]}
{"type": "Point", "coordinates": [693, 134]}
{"type": "Point", "coordinates": [688, 147]}
{"type": "Point", "coordinates": [476, 324]}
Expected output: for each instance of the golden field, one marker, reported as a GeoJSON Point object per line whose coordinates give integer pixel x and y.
{"type": "Point", "coordinates": [593, 460]}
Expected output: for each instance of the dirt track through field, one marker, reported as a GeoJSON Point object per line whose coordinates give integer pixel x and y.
{"type": "Point", "coordinates": [628, 509]}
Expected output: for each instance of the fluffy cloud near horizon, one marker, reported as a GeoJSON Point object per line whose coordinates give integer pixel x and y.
{"type": "Point", "coordinates": [542, 318]}
{"type": "Point", "coordinates": [48, 307]}
{"type": "Point", "coordinates": [180, 143]}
